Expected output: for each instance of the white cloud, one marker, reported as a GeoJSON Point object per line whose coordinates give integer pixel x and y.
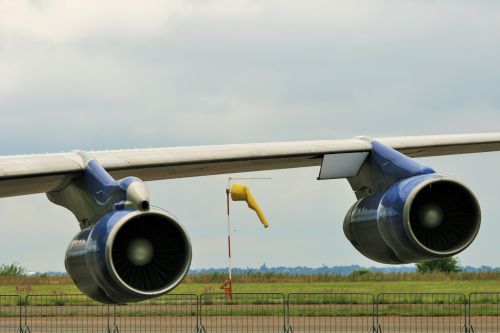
{"type": "Point", "coordinates": [59, 21]}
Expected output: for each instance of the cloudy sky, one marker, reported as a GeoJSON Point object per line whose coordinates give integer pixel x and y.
{"type": "Point", "coordinates": [117, 74]}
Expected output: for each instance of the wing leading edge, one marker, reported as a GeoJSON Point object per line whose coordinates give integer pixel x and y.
{"type": "Point", "coordinates": [28, 174]}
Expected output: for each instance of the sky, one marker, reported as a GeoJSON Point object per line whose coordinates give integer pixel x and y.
{"type": "Point", "coordinates": [114, 74]}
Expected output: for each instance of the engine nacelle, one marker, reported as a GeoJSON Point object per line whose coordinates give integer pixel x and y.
{"type": "Point", "coordinates": [129, 256]}
{"type": "Point", "coordinates": [420, 218]}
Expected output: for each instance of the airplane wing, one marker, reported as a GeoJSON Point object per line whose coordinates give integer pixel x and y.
{"type": "Point", "coordinates": [28, 174]}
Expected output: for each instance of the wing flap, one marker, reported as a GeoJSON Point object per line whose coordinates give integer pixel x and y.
{"type": "Point", "coordinates": [345, 165]}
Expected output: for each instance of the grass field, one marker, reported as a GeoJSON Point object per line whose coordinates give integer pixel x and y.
{"type": "Point", "coordinates": [64, 285]}
{"type": "Point", "coordinates": [373, 287]}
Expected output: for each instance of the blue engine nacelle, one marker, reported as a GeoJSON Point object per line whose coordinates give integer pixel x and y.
{"type": "Point", "coordinates": [420, 218]}
{"type": "Point", "coordinates": [129, 255]}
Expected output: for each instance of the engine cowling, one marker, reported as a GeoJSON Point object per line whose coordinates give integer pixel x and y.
{"type": "Point", "coordinates": [129, 256]}
{"type": "Point", "coordinates": [417, 219]}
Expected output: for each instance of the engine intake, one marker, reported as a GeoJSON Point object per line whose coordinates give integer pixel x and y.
{"type": "Point", "coordinates": [417, 219]}
{"type": "Point", "coordinates": [444, 217]}
{"type": "Point", "coordinates": [129, 256]}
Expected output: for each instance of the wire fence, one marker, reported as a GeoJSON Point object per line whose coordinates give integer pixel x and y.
{"type": "Point", "coordinates": [10, 313]}
{"type": "Point", "coordinates": [330, 312]}
{"type": "Point", "coordinates": [421, 312]}
{"type": "Point", "coordinates": [176, 313]}
{"type": "Point", "coordinates": [484, 312]}
{"type": "Point", "coordinates": [69, 313]}
{"type": "Point", "coordinates": [256, 312]}
{"type": "Point", "coordinates": [242, 312]}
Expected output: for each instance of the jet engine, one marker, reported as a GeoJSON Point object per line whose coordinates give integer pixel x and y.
{"type": "Point", "coordinates": [419, 218]}
{"type": "Point", "coordinates": [127, 250]}
{"type": "Point", "coordinates": [129, 256]}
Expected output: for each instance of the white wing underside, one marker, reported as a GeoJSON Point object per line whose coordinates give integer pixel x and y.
{"type": "Point", "coordinates": [27, 174]}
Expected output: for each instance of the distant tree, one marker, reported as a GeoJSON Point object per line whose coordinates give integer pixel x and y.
{"type": "Point", "coordinates": [360, 272]}
{"type": "Point", "coordinates": [445, 265]}
{"type": "Point", "coordinates": [14, 269]}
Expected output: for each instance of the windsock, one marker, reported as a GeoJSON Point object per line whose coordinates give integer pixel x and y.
{"type": "Point", "coordinates": [242, 193]}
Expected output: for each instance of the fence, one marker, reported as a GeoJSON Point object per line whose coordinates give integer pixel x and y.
{"type": "Point", "coordinates": [10, 313]}
{"type": "Point", "coordinates": [331, 312]}
{"type": "Point", "coordinates": [244, 312]}
{"type": "Point", "coordinates": [65, 313]}
{"type": "Point", "coordinates": [484, 312]}
{"type": "Point", "coordinates": [177, 313]}
{"type": "Point", "coordinates": [421, 312]}
{"type": "Point", "coordinates": [256, 312]}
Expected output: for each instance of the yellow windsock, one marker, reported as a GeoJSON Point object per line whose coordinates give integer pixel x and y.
{"type": "Point", "coordinates": [242, 193]}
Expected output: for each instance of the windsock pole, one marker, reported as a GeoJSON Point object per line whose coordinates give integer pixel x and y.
{"type": "Point", "coordinates": [228, 284]}
{"type": "Point", "coordinates": [228, 192]}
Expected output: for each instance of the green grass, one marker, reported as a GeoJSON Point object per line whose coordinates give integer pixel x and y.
{"type": "Point", "coordinates": [374, 287]}
{"type": "Point", "coordinates": [9, 289]}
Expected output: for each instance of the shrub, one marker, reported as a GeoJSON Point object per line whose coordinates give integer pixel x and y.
{"type": "Point", "coordinates": [445, 265]}
{"type": "Point", "coordinates": [13, 270]}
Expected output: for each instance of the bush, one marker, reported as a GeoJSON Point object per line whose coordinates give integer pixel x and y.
{"type": "Point", "coordinates": [446, 265]}
{"type": "Point", "coordinates": [12, 270]}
